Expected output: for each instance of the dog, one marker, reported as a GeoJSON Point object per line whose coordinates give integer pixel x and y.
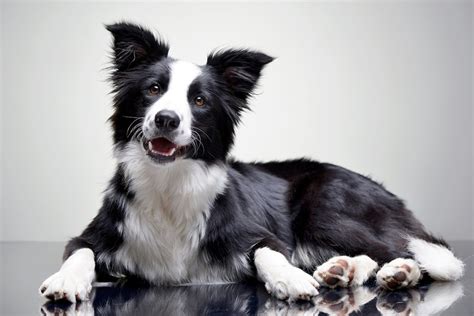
{"type": "Point", "coordinates": [179, 211]}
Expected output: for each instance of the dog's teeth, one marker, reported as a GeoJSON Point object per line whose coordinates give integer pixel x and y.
{"type": "Point", "coordinates": [170, 153]}
{"type": "Point", "coordinates": [167, 154]}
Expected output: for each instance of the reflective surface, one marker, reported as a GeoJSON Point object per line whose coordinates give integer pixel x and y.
{"type": "Point", "coordinates": [25, 265]}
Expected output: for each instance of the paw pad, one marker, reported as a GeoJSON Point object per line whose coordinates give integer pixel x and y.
{"type": "Point", "coordinates": [399, 273]}
{"type": "Point", "coordinates": [333, 274]}
{"type": "Point", "coordinates": [337, 270]}
{"type": "Point", "coordinates": [396, 281]}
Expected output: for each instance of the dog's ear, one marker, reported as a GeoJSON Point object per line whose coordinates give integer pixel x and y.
{"type": "Point", "coordinates": [134, 45]}
{"type": "Point", "coordinates": [240, 69]}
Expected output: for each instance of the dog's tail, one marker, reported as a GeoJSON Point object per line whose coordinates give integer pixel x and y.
{"type": "Point", "coordinates": [436, 260]}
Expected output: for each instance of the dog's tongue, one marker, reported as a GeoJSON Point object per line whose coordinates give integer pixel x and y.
{"type": "Point", "coordinates": [162, 145]}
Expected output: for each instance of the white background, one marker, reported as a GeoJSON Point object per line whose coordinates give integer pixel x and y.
{"type": "Point", "coordinates": [383, 88]}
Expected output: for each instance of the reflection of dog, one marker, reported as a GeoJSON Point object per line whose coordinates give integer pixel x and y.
{"type": "Point", "coordinates": [246, 299]}
{"type": "Point", "coordinates": [179, 211]}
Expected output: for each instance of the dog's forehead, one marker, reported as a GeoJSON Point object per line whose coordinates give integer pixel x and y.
{"type": "Point", "coordinates": [182, 75]}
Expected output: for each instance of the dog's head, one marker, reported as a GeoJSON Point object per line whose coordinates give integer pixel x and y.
{"type": "Point", "coordinates": [176, 109]}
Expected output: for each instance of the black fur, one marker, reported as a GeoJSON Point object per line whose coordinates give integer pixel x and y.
{"type": "Point", "coordinates": [282, 205]}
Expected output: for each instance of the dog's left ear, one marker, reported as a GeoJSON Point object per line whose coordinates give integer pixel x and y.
{"type": "Point", "coordinates": [240, 69]}
{"type": "Point", "coordinates": [134, 45]}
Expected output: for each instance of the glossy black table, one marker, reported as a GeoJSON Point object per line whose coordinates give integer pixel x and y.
{"type": "Point", "coordinates": [24, 265]}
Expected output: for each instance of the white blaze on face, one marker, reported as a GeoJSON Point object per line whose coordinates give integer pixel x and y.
{"type": "Point", "coordinates": [182, 74]}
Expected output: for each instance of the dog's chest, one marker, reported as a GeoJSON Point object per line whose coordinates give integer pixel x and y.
{"type": "Point", "coordinates": [159, 249]}
{"type": "Point", "coordinates": [166, 221]}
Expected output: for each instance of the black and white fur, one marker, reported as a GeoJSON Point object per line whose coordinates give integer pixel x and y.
{"type": "Point", "coordinates": [179, 211]}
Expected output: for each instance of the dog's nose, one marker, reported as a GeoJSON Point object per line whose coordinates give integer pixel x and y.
{"type": "Point", "coordinates": [167, 121]}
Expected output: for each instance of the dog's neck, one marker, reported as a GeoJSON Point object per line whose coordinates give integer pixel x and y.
{"type": "Point", "coordinates": [178, 190]}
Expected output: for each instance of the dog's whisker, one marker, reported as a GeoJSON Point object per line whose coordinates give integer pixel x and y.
{"type": "Point", "coordinates": [193, 143]}
{"type": "Point", "coordinates": [137, 132]}
{"type": "Point", "coordinates": [200, 130]}
{"type": "Point", "coordinates": [137, 125]}
{"type": "Point", "coordinates": [133, 125]}
{"type": "Point", "coordinates": [197, 138]}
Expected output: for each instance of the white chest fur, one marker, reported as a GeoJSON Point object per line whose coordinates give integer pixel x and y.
{"type": "Point", "coordinates": [166, 221]}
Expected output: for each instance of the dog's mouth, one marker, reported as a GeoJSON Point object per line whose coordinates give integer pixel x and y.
{"type": "Point", "coordinates": [161, 149]}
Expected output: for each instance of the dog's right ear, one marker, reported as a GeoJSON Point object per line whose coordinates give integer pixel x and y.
{"type": "Point", "coordinates": [134, 45]}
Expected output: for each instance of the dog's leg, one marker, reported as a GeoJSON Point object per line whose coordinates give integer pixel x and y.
{"type": "Point", "coordinates": [343, 271]}
{"type": "Point", "coordinates": [399, 273]}
{"type": "Point", "coordinates": [282, 279]}
{"type": "Point", "coordinates": [74, 279]}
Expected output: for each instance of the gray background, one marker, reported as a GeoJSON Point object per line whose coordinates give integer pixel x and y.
{"type": "Point", "coordinates": [383, 88]}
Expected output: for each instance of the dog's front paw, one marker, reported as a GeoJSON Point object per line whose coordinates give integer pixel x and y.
{"type": "Point", "coordinates": [66, 285]}
{"type": "Point", "coordinates": [291, 283]}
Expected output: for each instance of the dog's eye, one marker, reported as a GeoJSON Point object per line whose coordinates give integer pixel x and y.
{"type": "Point", "coordinates": [154, 89]}
{"type": "Point", "coordinates": [199, 101]}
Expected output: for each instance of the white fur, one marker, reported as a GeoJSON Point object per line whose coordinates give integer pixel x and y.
{"type": "Point", "coordinates": [281, 278]}
{"type": "Point", "coordinates": [438, 261]}
{"type": "Point", "coordinates": [182, 74]}
{"type": "Point", "coordinates": [74, 279]}
{"type": "Point", "coordinates": [167, 219]}
{"type": "Point", "coordinates": [389, 269]}
{"type": "Point", "coordinates": [365, 267]}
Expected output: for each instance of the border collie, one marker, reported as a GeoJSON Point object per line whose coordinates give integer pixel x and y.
{"type": "Point", "coordinates": [179, 211]}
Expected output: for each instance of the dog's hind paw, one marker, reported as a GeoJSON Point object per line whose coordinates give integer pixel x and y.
{"type": "Point", "coordinates": [399, 273]}
{"type": "Point", "coordinates": [345, 271]}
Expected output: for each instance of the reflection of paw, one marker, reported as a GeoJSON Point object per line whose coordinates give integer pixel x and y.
{"type": "Point", "coordinates": [402, 302]}
{"type": "Point", "coordinates": [345, 271]}
{"type": "Point", "coordinates": [291, 283]}
{"type": "Point", "coordinates": [64, 308]}
{"type": "Point", "coordinates": [399, 273]}
{"type": "Point", "coordinates": [335, 301]}
{"type": "Point", "coordinates": [66, 285]}
{"type": "Point", "coordinates": [343, 301]}
{"type": "Point", "coordinates": [275, 307]}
